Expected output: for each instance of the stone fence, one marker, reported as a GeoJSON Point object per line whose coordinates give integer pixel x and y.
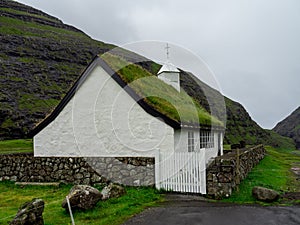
{"type": "Point", "coordinates": [226, 172]}
{"type": "Point", "coordinates": [24, 167]}
{"type": "Point", "coordinates": [223, 174]}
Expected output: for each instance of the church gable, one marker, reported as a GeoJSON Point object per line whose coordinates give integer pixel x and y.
{"type": "Point", "coordinates": [102, 119]}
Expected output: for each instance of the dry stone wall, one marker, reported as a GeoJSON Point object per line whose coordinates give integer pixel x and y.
{"type": "Point", "coordinates": [24, 167]}
{"type": "Point", "coordinates": [226, 172]}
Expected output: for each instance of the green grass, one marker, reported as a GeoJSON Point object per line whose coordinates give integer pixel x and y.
{"type": "Point", "coordinates": [113, 211]}
{"type": "Point", "coordinates": [27, 14]}
{"type": "Point", "coordinates": [29, 60]}
{"type": "Point", "coordinates": [280, 141]}
{"type": "Point", "coordinates": [32, 103]}
{"type": "Point", "coordinates": [12, 26]}
{"type": "Point", "coordinates": [178, 106]}
{"type": "Point", "coordinates": [16, 146]}
{"type": "Point", "coordinates": [274, 172]}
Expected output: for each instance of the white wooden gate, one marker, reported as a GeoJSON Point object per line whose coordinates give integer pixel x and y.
{"type": "Point", "coordinates": [182, 172]}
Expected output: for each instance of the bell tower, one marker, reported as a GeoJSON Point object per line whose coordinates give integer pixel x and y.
{"type": "Point", "coordinates": [169, 73]}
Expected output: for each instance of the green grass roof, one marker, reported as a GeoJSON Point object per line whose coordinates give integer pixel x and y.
{"type": "Point", "coordinates": [178, 106]}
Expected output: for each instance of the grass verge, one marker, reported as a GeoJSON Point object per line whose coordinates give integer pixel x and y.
{"type": "Point", "coordinates": [274, 172]}
{"type": "Point", "coordinates": [16, 146]}
{"type": "Point", "coordinates": [113, 211]}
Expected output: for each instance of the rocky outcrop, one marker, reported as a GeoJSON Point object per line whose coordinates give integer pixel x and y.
{"type": "Point", "coordinates": [265, 194]}
{"type": "Point", "coordinates": [30, 213]}
{"type": "Point", "coordinates": [112, 191]}
{"type": "Point", "coordinates": [290, 127]}
{"type": "Point", "coordinates": [82, 197]}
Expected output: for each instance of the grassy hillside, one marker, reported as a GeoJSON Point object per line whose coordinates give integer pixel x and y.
{"type": "Point", "coordinates": [40, 58]}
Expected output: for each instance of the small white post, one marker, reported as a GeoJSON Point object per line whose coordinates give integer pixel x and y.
{"type": "Point", "coordinates": [70, 210]}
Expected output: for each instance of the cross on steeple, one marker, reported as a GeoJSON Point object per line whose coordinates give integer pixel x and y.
{"type": "Point", "coordinates": [167, 48]}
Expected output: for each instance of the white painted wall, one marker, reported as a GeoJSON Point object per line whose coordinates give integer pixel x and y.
{"type": "Point", "coordinates": [103, 120]}
{"type": "Point", "coordinates": [171, 78]}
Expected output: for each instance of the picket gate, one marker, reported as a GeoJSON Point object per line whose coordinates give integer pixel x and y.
{"type": "Point", "coordinates": [182, 172]}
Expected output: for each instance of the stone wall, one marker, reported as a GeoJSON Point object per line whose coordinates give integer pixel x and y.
{"type": "Point", "coordinates": [225, 173]}
{"type": "Point", "coordinates": [26, 168]}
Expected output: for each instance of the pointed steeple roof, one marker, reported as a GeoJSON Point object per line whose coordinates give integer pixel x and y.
{"type": "Point", "coordinates": [168, 68]}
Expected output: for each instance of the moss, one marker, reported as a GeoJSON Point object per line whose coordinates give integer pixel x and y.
{"type": "Point", "coordinates": [178, 106]}
{"type": "Point", "coordinates": [155, 68]}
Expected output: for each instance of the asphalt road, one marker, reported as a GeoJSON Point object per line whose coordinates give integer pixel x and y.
{"type": "Point", "coordinates": [198, 212]}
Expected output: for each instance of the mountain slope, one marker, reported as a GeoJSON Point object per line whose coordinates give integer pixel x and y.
{"type": "Point", "coordinates": [290, 127]}
{"type": "Point", "coordinates": [41, 57]}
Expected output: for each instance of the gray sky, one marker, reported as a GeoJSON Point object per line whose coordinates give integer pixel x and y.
{"type": "Point", "coordinates": [252, 46]}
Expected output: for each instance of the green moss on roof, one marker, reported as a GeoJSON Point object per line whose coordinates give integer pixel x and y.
{"type": "Point", "coordinates": [178, 106]}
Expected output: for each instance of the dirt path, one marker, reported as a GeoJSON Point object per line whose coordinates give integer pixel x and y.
{"type": "Point", "coordinates": [182, 210]}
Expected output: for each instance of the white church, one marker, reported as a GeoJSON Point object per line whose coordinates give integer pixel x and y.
{"type": "Point", "coordinates": [103, 115]}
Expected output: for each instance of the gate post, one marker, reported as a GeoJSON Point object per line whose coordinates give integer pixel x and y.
{"type": "Point", "coordinates": [157, 169]}
{"type": "Point", "coordinates": [202, 161]}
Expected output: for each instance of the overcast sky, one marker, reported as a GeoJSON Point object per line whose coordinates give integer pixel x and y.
{"type": "Point", "coordinates": [252, 46]}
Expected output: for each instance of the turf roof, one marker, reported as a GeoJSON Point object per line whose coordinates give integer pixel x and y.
{"type": "Point", "coordinates": [178, 106]}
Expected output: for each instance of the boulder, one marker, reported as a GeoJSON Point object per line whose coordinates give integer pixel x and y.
{"type": "Point", "coordinates": [82, 197]}
{"type": "Point", "coordinates": [265, 194]}
{"type": "Point", "coordinates": [112, 191]}
{"type": "Point", "coordinates": [30, 213]}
